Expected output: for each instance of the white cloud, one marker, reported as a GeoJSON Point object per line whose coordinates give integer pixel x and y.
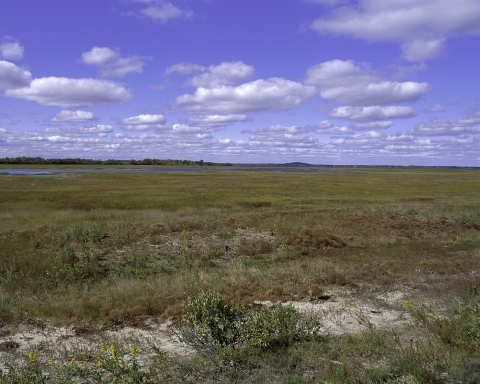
{"type": "Point", "coordinates": [226, 73]}
{"type": "Point", "coordinates": [10, 49]}
{"type": "Point", "coordinates": [184, 68]}
{"type": "Point", "coordinates": [110, 62]}
{"type": "Point", "coordinates": [144, 122]}
{"type": "Point", "coordinates": [345, 82]}
{"type": "Point", "coordinates": [123, 66]}
{"type": "Point", "coordinates": [371, 125]}
{"type": "Point", "coordinates": [99, 129]}
{"type": "Point", "coordinates": [422, 49]}
{"type": "Point", "coordinates": [187, 129]}
{"type": "Point", "coordinates": [72, 116]}
{"type": "Point", "coordinates": [420, 26]}
{"type": "Point", "coordinates": [164, 11]}
{"type": "Point", "coordinates": [13, 77]}
{"type": "Point", "coordinates": [216, 120]}
{"type": "Point", "coordinates": [325, 127]}
{"type": "Point", "coordinates": [466, 125]}
{"type": "Point", "coordinates": [372, 113]}
{"type": "Point", "coordinates": [368, 135]}
{"type": "Point", "coordinates": [99, 55]}
{"type": "Point", "coordinates": [69, 93]}
{"type": "Point", "coordinates": [258, 95]}
{"type": "Point", "coordinates": [435, 108]}
{"type": "Point", "coordinates": [283, 141]}
{"type": "Point", "coordinates": [280, 129]}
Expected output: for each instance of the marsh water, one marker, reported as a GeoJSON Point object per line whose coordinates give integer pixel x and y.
{"type": "Point", "coordinates": [58, 171]}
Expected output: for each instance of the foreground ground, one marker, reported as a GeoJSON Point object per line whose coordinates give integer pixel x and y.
{"type": "Point", "coordinates": [387, 259]}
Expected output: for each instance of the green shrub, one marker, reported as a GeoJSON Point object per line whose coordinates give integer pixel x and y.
{"type": "Point", "coordinates": [268, 327]}
{"type": "Point", "coordinates": [212, 320]}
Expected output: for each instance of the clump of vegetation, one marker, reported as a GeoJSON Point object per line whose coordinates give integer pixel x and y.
{"type": "Point", "coordinates": [211, 322]}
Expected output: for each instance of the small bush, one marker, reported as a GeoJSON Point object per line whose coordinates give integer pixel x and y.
{"type": "Point", "coordinates": [213, 319]}
{"type": "Point", "coordinates": [210, 321]}
{"type": "Point", "coordinates": [271, 327]}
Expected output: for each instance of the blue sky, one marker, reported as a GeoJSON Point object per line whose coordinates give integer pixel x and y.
{"type": "Point", "coordinates": [319, 81]}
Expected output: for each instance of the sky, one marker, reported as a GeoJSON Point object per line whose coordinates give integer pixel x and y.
{"type": "Point", "coordinates": [340, 82]}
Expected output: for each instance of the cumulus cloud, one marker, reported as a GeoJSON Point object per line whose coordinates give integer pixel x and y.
{"type": "Point", "coordinates": [216, 120]}
{"type": "Point", "coordinates": [467, 125]}
{"type": "Point", "coordinates": [144, 122]}
{"type": "Point", "coordinates": [184, 68]}
{"type": "Point", "coordinates": [218, 101]}
{"type": "Point", "coordinates": [372, 125]}
{"type": "Point", "coordinates": [99, 55]}
{"type": "Point", "coordinates": [187, 129]}
{"type": "Point", "coordinates": [422, 49]}
{"type": "Point", "coordinates": [10, 49]}
{"type": "Point", "coordinates": [435, 108]}
{"type": "Point", "coordinates": [163, 11]}
{"type": "Point", "coordinates": [70, 93]}
{"type": "Point", "coordinates": [226, 73]}
{"type": "Point", "coordinates": [99, 129]}
{"type": "Point", "coordinates": [258, 95]}
{"type": "Point", "coordinates": [110, 62]}
{"type": "Point", "coordinates": [280, 129]}
{"type": "Point", "coordinates": [372, 113]}
{"type": "Point", "coordinates": [325, 127]}
{"type": "Point", "coordinates": [283, 140]}
{"type": "Point", "coordinates": [72, 116]}
{"type": "Point", "coordinates": [12, 76]}
{"type": "Point", "coordinates": [421, 26]}
{"type": "Point", "coordinates": [345, 82]}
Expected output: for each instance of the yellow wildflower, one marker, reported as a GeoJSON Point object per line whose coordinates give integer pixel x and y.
{"type": "Point", "coordinates": [353, 311]}
{"type": "Point", "coordinates": [114, 350]}
{"type": "Point", "coordinates": [133, 352]}
{"type": "Point", "coordinates": [32, 357]}
{"type": "Point", "coordinates": [103, 346]}
{"type": "Point", "coordinates": [50, 361]}
{"type": "Point", "coordinates": [72, 360]}
{"type": "Point", "coordinates": [99, 365]}
{"type": "Point", "coordinates": [430, 314]}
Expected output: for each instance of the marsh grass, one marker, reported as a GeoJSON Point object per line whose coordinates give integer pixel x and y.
{"type": "Point", "coordinates": [115, 249]}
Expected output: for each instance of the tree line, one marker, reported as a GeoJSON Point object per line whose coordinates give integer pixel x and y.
{"type": "Point", "coordinates": [79, 161]}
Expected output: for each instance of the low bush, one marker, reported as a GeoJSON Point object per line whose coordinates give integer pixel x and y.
{"type": "Point", "coordinates": [211, 321]}
{"type": "Point", "coordinates": [269, 327]}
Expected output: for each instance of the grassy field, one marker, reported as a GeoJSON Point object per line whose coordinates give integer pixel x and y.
{"type": "Point", "coordinates": [110, 250]}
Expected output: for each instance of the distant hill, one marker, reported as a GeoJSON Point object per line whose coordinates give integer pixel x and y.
{"type": "Point", "coordinates": [297, 164]}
